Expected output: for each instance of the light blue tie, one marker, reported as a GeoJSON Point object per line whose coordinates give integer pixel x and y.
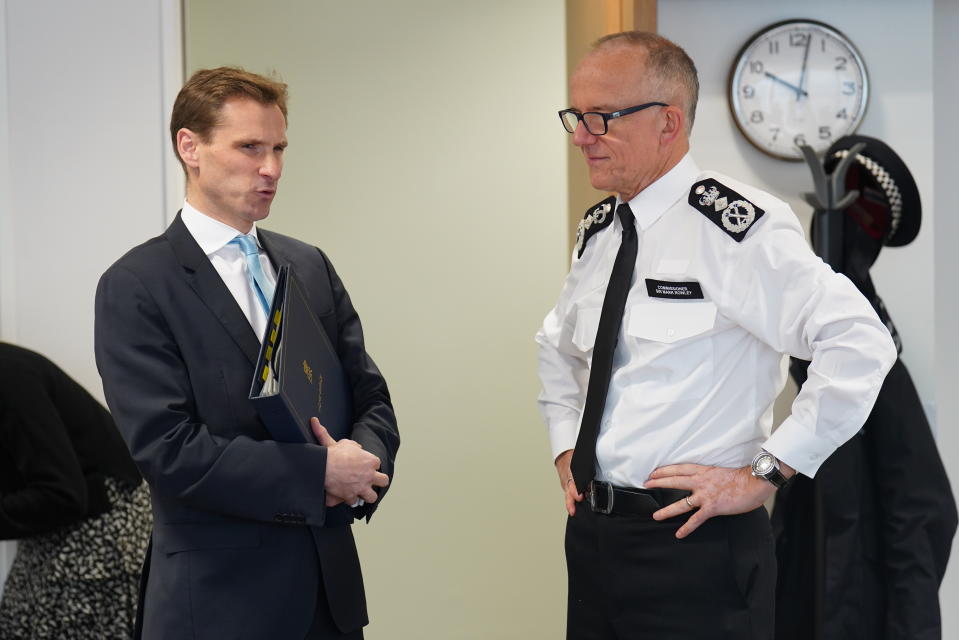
{"type": "Point", "coordinates": [254, 272]}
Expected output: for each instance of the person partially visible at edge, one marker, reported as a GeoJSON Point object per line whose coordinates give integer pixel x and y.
{"type": "Point", "coordinates": [73, 499]}
{"type": "Point", "coordinates": [662, 358]}
{"type": "Point", "coordinates": [252, 537]}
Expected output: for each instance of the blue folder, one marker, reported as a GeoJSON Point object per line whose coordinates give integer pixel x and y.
{"type": "Point", "coordinates": [298, 373]}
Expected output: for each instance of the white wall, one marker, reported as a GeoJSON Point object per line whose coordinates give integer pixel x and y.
{"type": "Point", "coordinates": [946, 106]}
{"type": "Point", "coordinates": [82, 162]}
{"type": "Point", "coordinates": [7, 549]}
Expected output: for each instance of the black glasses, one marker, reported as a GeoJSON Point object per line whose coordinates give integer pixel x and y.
{"type": "Point", "coordinates": [598, 123]}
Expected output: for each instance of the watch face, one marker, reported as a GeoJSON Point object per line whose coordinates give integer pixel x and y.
{"type": "Point", "coordinates": [763, 464]}
{"type": "Point", "coordinates": [796, 83]}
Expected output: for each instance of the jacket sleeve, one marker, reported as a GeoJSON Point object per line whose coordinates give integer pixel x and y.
{"type": "Point", "coordinates": [151, 395]}
{"type": "Point", "coordinates": [374, 421]}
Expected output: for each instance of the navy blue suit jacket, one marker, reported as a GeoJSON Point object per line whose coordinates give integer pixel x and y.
{"type": "Point", "coordinates": [241, 535]}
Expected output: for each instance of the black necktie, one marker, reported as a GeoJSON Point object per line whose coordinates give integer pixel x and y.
{"type": "Point", "coordinates": [583, 464]}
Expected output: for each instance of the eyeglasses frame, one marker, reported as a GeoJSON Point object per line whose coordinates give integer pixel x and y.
{"type": "Point", "coordinates": [580, 117]}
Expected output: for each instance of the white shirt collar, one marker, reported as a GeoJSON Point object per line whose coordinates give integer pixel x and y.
{"type": "Point", "coordinates": [212, 235]}
{"type": "Point", "coordinates": [653, 201]}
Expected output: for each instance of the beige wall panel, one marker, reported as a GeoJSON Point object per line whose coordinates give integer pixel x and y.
{"type": "Point", "coordinates": [426, 158]}
{"type": "Point", "coordinates": [586, 21]}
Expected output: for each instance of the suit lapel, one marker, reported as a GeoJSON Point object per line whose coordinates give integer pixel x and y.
{"type": "Point", "coordinates": [208, 284]}
{"type": "Point", "coordinates": [273, 249]}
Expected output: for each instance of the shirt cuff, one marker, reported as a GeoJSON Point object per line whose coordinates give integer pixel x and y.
{"type": "Point", "coordinates": [793, 444]}
{"type": "Point", "coordinates": [562, 436]}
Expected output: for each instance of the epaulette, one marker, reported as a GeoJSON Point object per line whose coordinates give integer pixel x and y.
{"type": "Point", "coordinates": [597, 218]}
{"type": "Point", "coordinates": [727, 209]}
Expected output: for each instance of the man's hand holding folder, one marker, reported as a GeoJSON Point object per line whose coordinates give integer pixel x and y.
{"type": "Point", "coordinates": [351, 472]}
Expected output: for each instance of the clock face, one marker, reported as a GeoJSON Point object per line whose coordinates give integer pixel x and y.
{"type": "Point", "coordinates": [797, 82]}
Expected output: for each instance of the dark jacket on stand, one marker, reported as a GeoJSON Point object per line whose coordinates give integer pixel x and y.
{"type": "Point", "coordinates": [863, 547]}
{"type": "Point", "coordinates": [888, 516]}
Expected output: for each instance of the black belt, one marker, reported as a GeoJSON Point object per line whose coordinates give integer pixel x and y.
{"type": "Point", "coordinates": [628, 501]}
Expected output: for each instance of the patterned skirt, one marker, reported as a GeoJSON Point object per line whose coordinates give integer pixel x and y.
{"type": "Point", "coordinates": [81, 581]}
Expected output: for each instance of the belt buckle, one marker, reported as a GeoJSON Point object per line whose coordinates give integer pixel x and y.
{"type": "Point", "coordinates": [608, 508]}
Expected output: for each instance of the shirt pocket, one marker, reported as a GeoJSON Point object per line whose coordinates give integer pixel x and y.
{"type": "Point", "coordinates": [674, 347]}
{"type": "Point", "coordinates": [670, 322]}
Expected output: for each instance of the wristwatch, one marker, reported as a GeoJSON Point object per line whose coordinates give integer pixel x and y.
{"type": "Point", "coordinates": [766, 466]}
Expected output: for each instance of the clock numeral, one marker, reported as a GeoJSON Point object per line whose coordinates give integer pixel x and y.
{"type": "Point", "coordinates": [774, 88]}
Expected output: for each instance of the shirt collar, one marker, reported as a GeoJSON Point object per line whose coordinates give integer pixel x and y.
{"type": "Point", "coordinates": [652, 202]}
{"type": "Point", "coordinates": [212, 235]}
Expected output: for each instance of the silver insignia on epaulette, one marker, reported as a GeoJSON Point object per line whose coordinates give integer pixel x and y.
{"type": "Point", "coordinates": [580, 234]}
{"type": "Point", "coordinates": [738, 216]}
{"type": "Point", "coordinates": [599, 213]}
{"type": "Point", "coordinates": [709, 197]}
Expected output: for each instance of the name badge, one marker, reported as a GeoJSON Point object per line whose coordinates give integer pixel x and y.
{"type": "Point", "coordinates": [674, 290]}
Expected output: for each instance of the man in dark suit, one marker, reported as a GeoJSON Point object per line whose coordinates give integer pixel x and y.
{"type": "Point", "coordinates": [251, 536]}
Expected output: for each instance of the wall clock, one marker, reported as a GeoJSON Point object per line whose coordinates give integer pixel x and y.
{"type": "Point", "coordinates": [797, 82]}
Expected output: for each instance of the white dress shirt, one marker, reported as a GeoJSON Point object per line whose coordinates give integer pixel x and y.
{"type": "Point", "coordinates": [694, 381]}
{"type": "Point", "coordinates": [230, 262]}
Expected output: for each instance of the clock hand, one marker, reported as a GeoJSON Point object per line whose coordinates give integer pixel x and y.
{"type": "Point", "coordinates": [802, 74]}
{"type": "Point", "coordinates": [793, 87]}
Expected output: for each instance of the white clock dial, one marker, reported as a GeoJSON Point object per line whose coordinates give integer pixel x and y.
{"type": "Point", "coordinates": [798, 82]}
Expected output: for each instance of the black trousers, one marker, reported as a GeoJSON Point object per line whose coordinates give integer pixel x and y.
{"type": "Point", "coordinates": [630, 578]}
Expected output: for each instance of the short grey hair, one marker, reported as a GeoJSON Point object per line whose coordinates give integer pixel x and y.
{"type": "Point", "coordinates": [669, 69]}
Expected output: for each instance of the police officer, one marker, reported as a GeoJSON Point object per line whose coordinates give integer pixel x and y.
{"type": "Point", "coordinates": [662, 358]}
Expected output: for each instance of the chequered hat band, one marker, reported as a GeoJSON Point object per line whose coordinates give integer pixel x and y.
{"type": "Point", "coordinates": [886, 183]}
